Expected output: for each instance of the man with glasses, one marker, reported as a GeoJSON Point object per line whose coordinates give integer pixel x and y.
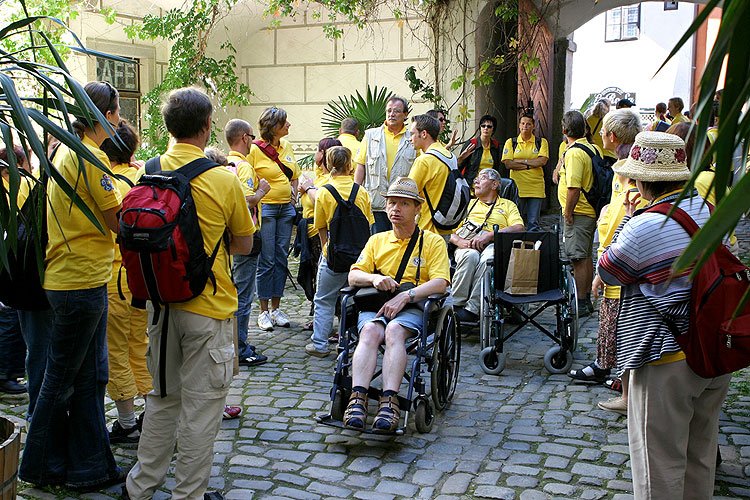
{"type": "Point", "coordinates": [385, 154]}
{"type": "Point", "coordinates": [239, 136]}
{"type": "Point", "coordinates": [474, 238]}
{"type": "Point", "coordinates": [482, 152]}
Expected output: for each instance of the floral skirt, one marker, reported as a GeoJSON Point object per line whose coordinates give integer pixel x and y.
{"type": "Point", "coordinates": [606, 353]}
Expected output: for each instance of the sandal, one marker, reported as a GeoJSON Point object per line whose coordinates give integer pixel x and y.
{"type": "Point", "coordinates": [308, 327]}
{"type": "Point", "coordinates": [590, 373]}
{"type": "Point", "coordinates": [386, 421]}
{"type": "Point", "coordinates": [356, 411]}
{"type": "Point", "coordinates": [615, 384]}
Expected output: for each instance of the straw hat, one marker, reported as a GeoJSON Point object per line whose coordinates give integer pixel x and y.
{"type": "Point", "coordinates": [654, 157]}
{"type": "Point", "coordinates": [404, 187]}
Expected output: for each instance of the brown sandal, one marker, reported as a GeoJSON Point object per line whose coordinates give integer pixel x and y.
{"type": "Point", "coordinates": [355, 415]}
{"type": "Point", "coordinates": [386, 421]}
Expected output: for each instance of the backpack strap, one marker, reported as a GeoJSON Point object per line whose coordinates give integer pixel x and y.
{"type": "Point", "coordinates": [592, 154]}
{"type": "Point", "coordinates": [273, 155]}
{"type": "Point", "coordinates": [679, 216]}
{"type": "Point", "coordinates": [153, 165]}
{"type": "Point", "coordinates": [538, 143]}
{"type": "Point", "coordinates": [407, 255]}
{"type": "Point", "coordinates": [339, 200]}
{"type": "Point", "coordinates": [124, 179]}
{"type": "Point", "coordinates": [514, 142]}
{"type": "Point", "coordinates": [196, 167]}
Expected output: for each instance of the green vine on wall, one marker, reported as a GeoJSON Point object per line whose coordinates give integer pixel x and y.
{"type": "Point", "coordinates": [189, 31]}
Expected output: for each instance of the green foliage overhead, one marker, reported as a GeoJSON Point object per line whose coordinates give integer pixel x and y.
{"type": "Point", "coordinates": [189, 29]}
{"type": "Point", "coordinates": [369, 111]}
{"type": "Point", "coordinates": [38, 94]}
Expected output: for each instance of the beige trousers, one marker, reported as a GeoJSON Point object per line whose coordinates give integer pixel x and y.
{"type": "Point", "coordinates": [199, 364]}
{"type": "Point", "coordinates": [470, 267]}
{"type": "Point", "coordinates": [673, 430]}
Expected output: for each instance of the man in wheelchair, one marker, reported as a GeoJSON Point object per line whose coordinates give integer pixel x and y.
{"type": "Point", "coordinates": [474, 238]}
{"type": "Point", "coordinates": [409, 265]}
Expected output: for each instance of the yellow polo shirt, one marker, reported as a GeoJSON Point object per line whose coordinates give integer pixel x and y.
{"type": "Point", "coordinates": [430, 175]}
{"type": "Point", "coordinates": [24, 188]}
{"type": "Point", "coordinates": [352, 144]}
{"type": "Point", "coordinates": [281, 191]}
{"type": "Point", "coordinates": [131, 173]}
{"type": "Point", "coordinates": [561, 149]}
{"type": "Point", "coordinates": [609, 222]}
{"type": "Point", "coordinates": [391, 147]}
{"type": "Point", "coordinates": [220, 204]}
{"type": "Point", "coordinates": [248, 180]}
{"type": "Point", "coordinates": [308, 206]}
{"type": "Point", "coordinates": [384, 252]}
{"type": "Point", "coordinates": [85, 261]}
{"type": "Point", "coordinates": [680, 118]}
{"type": "Point", "coordinates": [576, 171]}
{"type": "Point", "coordinates": [530, 182]}
{"type": "Point", "coordinates": [505, 213]}
{"type": "Point", "coordinates": [325, 203]}
{"type": "Point", "coordinates": [486, 161]}
{"type": "Point", "coordinates": [595, 124]}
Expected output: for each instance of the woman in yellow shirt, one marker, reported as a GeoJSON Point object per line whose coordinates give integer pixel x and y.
{"type": "Point", "coordinates": [308, 190]}
{"type": "Point", "coordinates": [67, 443]}
{"type": "Point", "coordinates": [273, 160]}
{"type": "Point", "coordinates": [480, 153]}
{"type": "Point", "coordinates": [330, 282]}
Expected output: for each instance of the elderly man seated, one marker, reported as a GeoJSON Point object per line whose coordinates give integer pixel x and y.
{"type": "Point", "coordinates": [426, 272]}
{"type": "Point", "coordinates": [474, 241]}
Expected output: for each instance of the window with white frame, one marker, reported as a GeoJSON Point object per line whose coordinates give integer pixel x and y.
{"type": "Point", "coordinates": [623, 23]}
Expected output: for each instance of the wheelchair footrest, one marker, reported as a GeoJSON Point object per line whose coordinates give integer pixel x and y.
{"type": "Point", "coordinates": [327, 419]}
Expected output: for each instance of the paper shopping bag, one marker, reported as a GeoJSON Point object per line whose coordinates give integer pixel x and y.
{"type": "Point", "coordinates": [523, 269]}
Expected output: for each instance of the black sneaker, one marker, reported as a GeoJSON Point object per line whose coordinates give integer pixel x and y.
{"type": "Point", "coordinates": [253, 360]}
{"type": "Point", "coordinates": [119, 434]}
{"type": "Point", "coordinates": [12, 387]}
{"type": "Point", "coordinates": [465, 316]}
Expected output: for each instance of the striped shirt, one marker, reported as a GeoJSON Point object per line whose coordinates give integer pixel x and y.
{"type": "Point", "coordinates": [639, 259]}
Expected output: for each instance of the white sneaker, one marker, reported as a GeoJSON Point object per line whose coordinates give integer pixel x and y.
{"type": "Point", "coordinates": [616, 404]}
{"type": "Point", "coordinates": [279, 318]}
{"type": "Point", "coordinates": [264, 321]}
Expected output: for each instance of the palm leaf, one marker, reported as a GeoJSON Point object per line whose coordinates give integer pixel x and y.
{"type": "Point", "coordinates": [369, 111]}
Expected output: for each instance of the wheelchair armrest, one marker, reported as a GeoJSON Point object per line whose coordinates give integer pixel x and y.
{"type": "Point", "coordinates": [349, 290]}
{"type": "Point", "coordinates": [565, 262]}
{"type": "Point", "coordinates": [437, 296]}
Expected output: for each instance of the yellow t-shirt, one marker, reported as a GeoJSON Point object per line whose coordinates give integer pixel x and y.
{"type": "Point", "coordinates": [609, 222]}
{"type": "Point", "coordinates": [384, 252]}
{"type": "Point", "coordinates": [430, 174]}
{"type": "Point", "coordinates": [308, 206]}
{"type": "Point", "coordinates": [595, 124]}
{"type": "Point", "coordinates": [85, 261]}
{"type": "Point", "coordinates": [680, 118]}
{"type": "Point", "coordinates": [505, 213]}
{"type": "Point", "coordinates": [391, 148]}
{"type": "Point", "coordinates": [561, 149]}
{"type": "Point", "coordinates": [486, 161]}
{"type": "Point", "coordinates": [131, 173]}
{"type": "Point", "coordinates": [352, 144]}
{"type": "Point", "coordinates": [530, 182]}
{"type": "Point", "coordinates": [24, 188]}
{"type": "Point", "coordinates": [248, 180]}
{"type": "Point", "coordinates": [325, 203]}
{"type": "Point", "coordinates": [220, 204]}
{"type": "Point", "coordinates": [281, 191]}
{"type": "Point", "coordinates": [576, 172]}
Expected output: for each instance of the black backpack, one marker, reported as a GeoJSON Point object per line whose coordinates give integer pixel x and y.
{"type": "Point", "coordinates": [21, 287]}
{"type": "Point", "coordinates": [348, 231]}
{"type": "Point", "coordinates": [601, 171]}
{"type": "Point", "coordinates": [537, 143]}
{"type": "Point", "coordinates": [451, 209]}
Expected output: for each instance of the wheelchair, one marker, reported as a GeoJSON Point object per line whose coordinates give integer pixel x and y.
{"type": "Point", "coordinates": [436, 352]}
{"type": "Point", "coordinates": [555, 288]}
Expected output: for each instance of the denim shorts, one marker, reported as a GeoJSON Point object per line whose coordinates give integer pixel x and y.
{"type": "Point", "coordinates": [410, 318]}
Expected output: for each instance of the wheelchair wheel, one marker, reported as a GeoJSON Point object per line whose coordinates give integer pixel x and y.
{"type": "Point", "coordinates": [558, 360]}
{"type": "Point", "coordinates": [339, 406]}
{"type": "Point", "coordinates": [570, 319]}
{"type": "Point", "coordinates": [446, 358]}
{"type": "Point", "coordinates": [491, 361]}
{"type": "Point", "coordinates": [485, 309]}
{"type": "Point", "coordinates": [424, 416]}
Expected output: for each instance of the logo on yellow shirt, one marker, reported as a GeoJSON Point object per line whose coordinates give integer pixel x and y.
{"type": "Point", "coordinates": [106, 183]}
{"type": "Point", "coordinates": [416, 261]}
{"type": "Point", "coordinates": [250, 183]}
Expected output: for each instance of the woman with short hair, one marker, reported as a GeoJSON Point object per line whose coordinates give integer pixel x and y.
{"type": "Point", "coordinates": [482, 152]}
{"type": "Point", "coordinates": [273, 160]}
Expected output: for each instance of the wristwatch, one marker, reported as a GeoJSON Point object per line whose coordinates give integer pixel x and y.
{"type": "Point", "coordinates": [411, 295]}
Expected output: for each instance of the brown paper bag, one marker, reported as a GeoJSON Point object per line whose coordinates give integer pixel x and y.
{"type": "Point", "coordinates": [523, 269]}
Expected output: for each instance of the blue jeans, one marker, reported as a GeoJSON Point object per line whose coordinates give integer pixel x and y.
{"type": "Point", "coordinates": [12, 346]}
{"type": "Point", "coordinates": [36, 327]}
{"type": "Point", "coordinates": [276, 233]}
{"type": "Point", "coordinates": [245, 269]}
{"type": "Point", "coordinates": [68, 442]}
{"type": "Point", "coordinates": [329, 284]}
{"type": "Point", "coordinates": [382, 223]}
{"type": "Point", "coordinates": [529, 208]}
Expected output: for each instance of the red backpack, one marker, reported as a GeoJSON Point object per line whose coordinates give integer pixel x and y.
{"type": "Point", "coordinates": [716, 343]}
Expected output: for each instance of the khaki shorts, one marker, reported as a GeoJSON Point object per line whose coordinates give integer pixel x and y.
{"type": "Point", "coordinates": [578, 238]}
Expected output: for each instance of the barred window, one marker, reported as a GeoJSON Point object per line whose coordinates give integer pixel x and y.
{"type": "Point", "coordinates": [623, 23]}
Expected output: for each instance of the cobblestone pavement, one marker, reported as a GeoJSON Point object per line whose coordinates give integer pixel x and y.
{"type": "Point", "coordinates": [525, 434]}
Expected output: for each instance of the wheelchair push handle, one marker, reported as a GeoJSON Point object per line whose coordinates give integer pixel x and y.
{"type": "Point", "coordinates": [527, 245]}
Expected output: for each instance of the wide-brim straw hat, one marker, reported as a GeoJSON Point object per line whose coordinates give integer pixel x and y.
{"type": "Point", "coordinates": [655, 157]}
{"type": "Point", "coordinates": [404, 187]}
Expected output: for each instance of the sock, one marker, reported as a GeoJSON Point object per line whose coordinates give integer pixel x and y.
{"type": "Point", "coordinates": [127, 420]}
{"type": "Point", "coordinates": [596, 363]}
{"type": "Point", "coordinates": [359, 389]}
{"type": "Point", "coordinates": [389, 393]}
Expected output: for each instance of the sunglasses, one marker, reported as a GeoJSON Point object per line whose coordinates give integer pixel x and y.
{"type": "Point", "coordinates": [486, 125]}
{"type": "Point", "coordinates": [251, 136]}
